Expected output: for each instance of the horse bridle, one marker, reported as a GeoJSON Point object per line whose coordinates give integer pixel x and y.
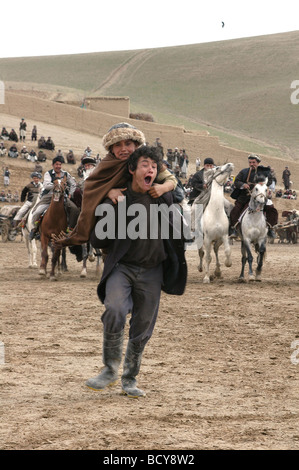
{"type": "Point", "coordinates": [259, 204]}
{"type": "Point", "coordinates": [58, 188]}
{"type": "Point", "coordinates": [214, 176]}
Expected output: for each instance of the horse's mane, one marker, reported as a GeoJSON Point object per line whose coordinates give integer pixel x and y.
{"type": "Point", "coordinates": [204, 197]}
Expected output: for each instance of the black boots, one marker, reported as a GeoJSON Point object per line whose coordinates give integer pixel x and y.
{"type": "Point", "coordinates": [112, 356]}
{"type": "Point", "coordinates": [34, 233]}
{"type": "Point", "coordinates": [132, 364]}
{"type": "Point", "coordinates": [233, 231]}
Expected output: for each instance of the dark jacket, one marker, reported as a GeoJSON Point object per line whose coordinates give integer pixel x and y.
{"type": "Point", "coordinates": [31, 191]}
{"type": "Point", "coordinates": [174, 267]}
{"type": "Point", "coordinates": [197, 183]}
{"type": "Point", "coordinates": [243, 195]}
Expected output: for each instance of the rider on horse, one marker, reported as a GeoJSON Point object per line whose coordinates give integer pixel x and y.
{"type": "Point", "coordinates": [199, 180]}
{"type": "Point", "coordinates": [88, 163]}
{"type": "Point", "coordinates": [29, 195]}
{"type": "Point", "coordinates": [244, 182]}
{"type": "Point", "coordinates": [71, 209]}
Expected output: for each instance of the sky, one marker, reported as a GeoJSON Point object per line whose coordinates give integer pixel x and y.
{"type": "Point", "coordinates": [71, 27]}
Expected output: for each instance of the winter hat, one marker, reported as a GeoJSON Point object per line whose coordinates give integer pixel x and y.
{"type": "Point", "coordinates": [36, 174]}
{"type": "Point", "coordinates": [122, 131]}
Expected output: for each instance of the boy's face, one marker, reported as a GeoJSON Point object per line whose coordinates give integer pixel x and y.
{"type": "Point", "coordinates": [123, 149]}
{"type": "Point", "coordinates": [144, 175]}
{"type": "Point", "coordinates": [57, 167]}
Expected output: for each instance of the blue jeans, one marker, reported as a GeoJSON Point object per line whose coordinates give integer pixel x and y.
{"type": "Point", "coordinates": [135, 290]}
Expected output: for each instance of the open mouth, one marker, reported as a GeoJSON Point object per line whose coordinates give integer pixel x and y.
{"type": "Point", "coordinates": [147, 180]}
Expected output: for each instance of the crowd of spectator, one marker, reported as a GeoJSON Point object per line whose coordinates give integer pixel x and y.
{"type": "Point", "coordinates": [36, 153]}
{"type": "Point", "coordinates": [9, 196]}
{"type": "Point", "coordinates": [288, 194]}
{"type": "Point", "coordinates": [177, 159]}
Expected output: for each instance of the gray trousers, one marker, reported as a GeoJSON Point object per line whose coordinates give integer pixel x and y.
{"type": "Point", "coordinates": [135, 290]}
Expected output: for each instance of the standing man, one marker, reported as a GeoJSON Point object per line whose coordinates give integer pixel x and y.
{"type": "Point", "coordinates": [6, 176]}
{"type": "Point", "coordinates": [136, 269]}
{"type": "Point", "coordinates": [244, 182]}
{"type": "Point", "coordinates": [23, 127]}
{"type": "Point", "coordinates": [286, 178]}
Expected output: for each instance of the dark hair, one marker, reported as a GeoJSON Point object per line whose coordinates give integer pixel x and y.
{"type": "Point", "coordinates": [145, 151]}
{"type": "Point", "coordinates": [57, 159]}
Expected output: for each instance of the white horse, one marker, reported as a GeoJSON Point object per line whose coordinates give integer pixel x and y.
{"type": "Point", "coordinates": [30, 244]}
{"type": "Point", "coordinates": [215, 223]}
{"type": "Point", "coordinates": [253, 230]}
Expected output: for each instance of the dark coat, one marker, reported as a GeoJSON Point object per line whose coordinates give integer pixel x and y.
{"type": "Point", "coordinates": [31, 191]}
{"type": "Point", "coordinates": [197, 183]}
{"type": "Point", "coordinates": [174, 267]}
{"type": "Point", "coordinates": [243, 195]}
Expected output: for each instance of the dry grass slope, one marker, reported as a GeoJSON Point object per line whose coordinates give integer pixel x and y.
{"type": "Point", "coordinates": [238, 87]}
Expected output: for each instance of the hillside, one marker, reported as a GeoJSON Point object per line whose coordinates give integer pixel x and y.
{"type": "Point", "coordinates": [66, 138]}
{"type": "Point", "coordinates": [239, 89]}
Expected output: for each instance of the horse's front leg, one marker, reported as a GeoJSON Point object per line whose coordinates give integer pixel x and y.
{"type": "Point", "coordinates": [84, 255]}
{"type": "Point", "coordinates": [33, 252]}
{"type": "Point", "coordinates": [251, 276]}
{"type": "Point", "coordinates": [201, 255]}
{"type": "Point", "coordinates": [208, 259]}
{"type": "Point", "coordinates": [243, 261]}
{"type": "Point", "coordinates": [31, 248]}
{"type": "Point", "coordinates": [260, 261]}
{"type": "Point", "coordinates": [227, 251]}
{"type": "Point", "coordinates": [217, 271]}
{"type": "Point", "coordinates": [91, 255]}
{"type": "Point", "coordinates": [54, 262]}
{"type": "Point", "coordinates": [44, 256]}
{"type": "Point", "coordinates": [64, 267]}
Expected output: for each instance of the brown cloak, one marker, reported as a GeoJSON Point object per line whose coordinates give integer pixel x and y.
{"type": "Point", "coordinates": [109, 173]}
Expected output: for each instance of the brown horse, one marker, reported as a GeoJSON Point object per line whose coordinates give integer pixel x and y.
{"type": "Point", "coordinates": [54, 222]}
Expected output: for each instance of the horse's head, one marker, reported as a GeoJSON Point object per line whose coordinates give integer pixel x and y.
{"type": "Point", "coordinates": [59, 188]}
{"type": "Point", "coordinates": [223, 172]}
{"type": "Point", "coordinates": [259, 193]}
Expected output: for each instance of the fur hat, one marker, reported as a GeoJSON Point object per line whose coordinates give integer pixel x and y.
{"type": "Point", "coordinates": [122, 131]}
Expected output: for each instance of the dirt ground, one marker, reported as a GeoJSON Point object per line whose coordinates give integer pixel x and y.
{"type": "Point", "coordinates": [218, 370]}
